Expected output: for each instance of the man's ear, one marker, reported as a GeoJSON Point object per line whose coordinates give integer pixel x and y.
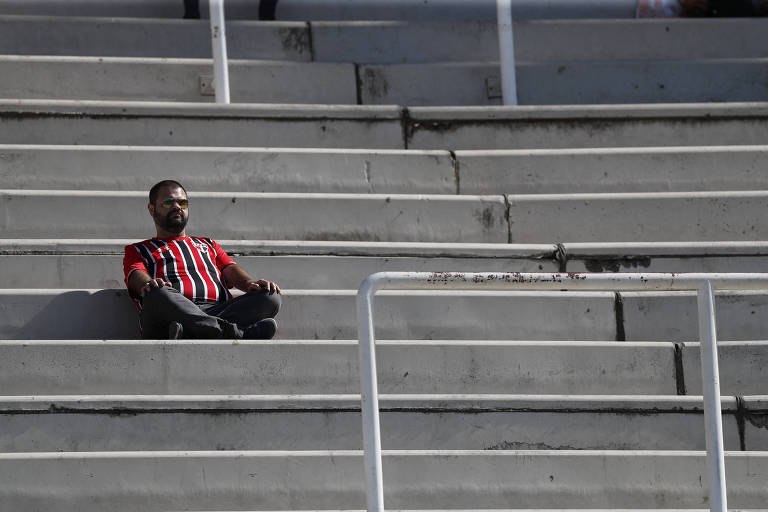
{"type": "Point", "coordinates": [151, 209]}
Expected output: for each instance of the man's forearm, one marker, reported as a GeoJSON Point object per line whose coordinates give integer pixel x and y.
{"type": "Point", "coordinates": [235, 276]}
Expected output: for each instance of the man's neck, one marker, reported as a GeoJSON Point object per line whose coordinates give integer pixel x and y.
{"type": "Point", "coordinates": [168, 234]}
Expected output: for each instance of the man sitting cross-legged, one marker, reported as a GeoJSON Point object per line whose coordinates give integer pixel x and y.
{"type": "Point", "coordinates": [181, 283]}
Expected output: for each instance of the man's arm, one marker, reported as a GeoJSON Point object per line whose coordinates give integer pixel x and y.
{"type": "Point", "coordinates": [234, 275]}
{"type": "Point", "coordinates": [140, 283]}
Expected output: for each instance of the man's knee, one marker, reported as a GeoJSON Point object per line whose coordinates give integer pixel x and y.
{"type": "Point", "coordinates": [265, 302]}
{"type": "Point", "coordinates": [159, 296]}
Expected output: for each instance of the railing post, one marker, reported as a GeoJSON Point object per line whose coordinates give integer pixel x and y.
{"type": "Point", "coordinates": [506, 51]}
{"type": "Point", "coordinates": [374, 479]}
{"type": "Point", "coordinates": [710, 381]}
{"type": "Point", "coordinates": [219, 43]}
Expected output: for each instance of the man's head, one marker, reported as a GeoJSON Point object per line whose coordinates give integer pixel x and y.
{"type": "Point", "coordinates": [168, 207]}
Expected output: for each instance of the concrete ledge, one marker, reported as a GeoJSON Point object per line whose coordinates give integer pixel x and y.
{"type": "Point", "coordinates": [742, 367]}
{"type": "Point", "coordinates": [153, 79]}
{"type": "Point", "coordinates": [645, 217]}
{"type": "Point", "coordinates": [597, 126]}
{"type": "Point", "coordinates": [567, 83]}
{"type": "Point", "coordinates": [740, 316]}
{"type": "Point", "coordinates": [333, 479]}
{"type": "Point", "coordinates": [228, 169]}
{"type": "Point", "coordinates": [351, 126]}
{"type": "Point", "coordinates": [101, 423]}
{"type": "Point", "coordinates": [133, 37]}
{"type": "Point", "coordinates": [330, 314]}
{"type": "Point", "coordinates": [249, 215]}
{"type": "Point", "coordinates": [312, 272]}
{"type": "Point", "coordinates": [199, 124]}
{"type": "Point", "coordinates": [662, 169]}
{"type": "Point", "coordinates": [189, 367]}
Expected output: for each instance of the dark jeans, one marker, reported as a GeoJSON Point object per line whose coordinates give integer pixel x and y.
{"type": "Point", "coordinates": [161, 306]}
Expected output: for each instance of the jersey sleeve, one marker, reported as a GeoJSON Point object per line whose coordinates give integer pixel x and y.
{"type": "Point", "coordinates": [132, 260]}
{"type": "Point", "coordinates": [222, 258]}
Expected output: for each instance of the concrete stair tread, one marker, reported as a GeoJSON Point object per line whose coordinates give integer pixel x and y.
{"type": "Point", "coordinates": [256, 169]}
{"type": "Point", "coordinates": [626, 404]}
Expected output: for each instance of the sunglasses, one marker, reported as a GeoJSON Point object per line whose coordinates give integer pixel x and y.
{"type": "Point", "coordinates": [168, 203]}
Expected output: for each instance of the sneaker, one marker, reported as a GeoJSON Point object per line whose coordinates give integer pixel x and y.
{"type": "Point", "coordinates": [175, 331]}
{"type": "Point", "coordinates": [261, 330]}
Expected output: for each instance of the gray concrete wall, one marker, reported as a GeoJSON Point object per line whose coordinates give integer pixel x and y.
{"type": "Point", "coordinates": [380, 127]}
{"type": "Point", "coordinates": [82, 424]}
{"type": "Point", "coordinates": [256, 215]}
{"type": "Point", "coordinates": [601, 316]}
{"type": "Point", "coordinates": [120, 78]}
{"type": "Point", "coordinates": [333, 480]}
{"type": "Point", "coordinates": [309, 367]}
{"type": "Point", "coordinates": [651, 169]}
{"type": "Point", "coordinates": [384, 42]}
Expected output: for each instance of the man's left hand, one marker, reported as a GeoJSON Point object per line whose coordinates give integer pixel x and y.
{"type": "Point", "coordinates": [262, 285]}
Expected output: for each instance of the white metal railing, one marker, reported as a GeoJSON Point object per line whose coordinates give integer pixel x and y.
{"type": "Point", "coordinates": [219, 44]}
{"type": "Point", "coordinates": [506, 52]}
{"type": "Point", "coordinates": [703, 284]}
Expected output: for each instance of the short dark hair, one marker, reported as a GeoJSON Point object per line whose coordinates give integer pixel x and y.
{"type": "Point", "coordinates": [165, 183]}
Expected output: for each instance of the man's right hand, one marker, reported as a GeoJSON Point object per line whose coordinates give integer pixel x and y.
{"type": "Point", "coordinates": [153, 283]}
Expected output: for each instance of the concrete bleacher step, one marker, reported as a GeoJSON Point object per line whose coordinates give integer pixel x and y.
{"type": "Point", "coordinates": [82, 367]}
{"type": "Point", "coordinates": [385, 42]}
{"type": "Point", "coordinates": [333, 422]}
{"type": "Point", "coordinates": [280, 480]}
{"type": "Point", "coordinates": [226, 169]}
{"type": "Point", "coordinates": [466, 83]}
{"type": "Point", "coordinates": [295, 367]}
{"type": "Point", "coordinates": [255, 215]}
{"type": "Point", "coordinates": [519, 218]}
{"type": "Point", "coordinates": [379, 126]}
{"type": "Point", "coordinates": [565, 83]}
{"type": "Point", "coordinates": [164, 79]}
{"type": "Point", "coordinates": [97, 263]}
{"type": "Point", "coordinates": [651, 169]}
{"type": "Point", "coordinates": [638, 217]}
{"type": "Point", "coordinates": [427, 314]}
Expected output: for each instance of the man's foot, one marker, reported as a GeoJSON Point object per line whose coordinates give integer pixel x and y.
{"type": "Point", "coordinates": [175, 331]}
{"type": "Point", "coordinates": [261, 330]}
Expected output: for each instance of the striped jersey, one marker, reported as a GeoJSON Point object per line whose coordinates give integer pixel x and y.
{"type": "Point", "coordinates": [191, 264]}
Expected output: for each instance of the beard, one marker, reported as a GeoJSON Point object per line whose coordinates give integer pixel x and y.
{"type": "Point", "coordinates": [171, 222]}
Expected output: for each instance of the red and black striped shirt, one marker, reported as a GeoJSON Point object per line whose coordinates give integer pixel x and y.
{"type": "Point", "coordinates": [191, 264]}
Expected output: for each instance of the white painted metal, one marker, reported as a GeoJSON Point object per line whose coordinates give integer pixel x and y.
{"type": "Point", "coordinates": [506, 51]}
{"type": "Point", "coordinates": [702, 283]}
{"type": "Point", "coordinates": [713, 419]}
{"type": "Point", "coordinates": [219, 42]}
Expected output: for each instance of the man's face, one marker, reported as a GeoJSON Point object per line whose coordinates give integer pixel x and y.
{"type": "Point", "coordinates": [167, 212]}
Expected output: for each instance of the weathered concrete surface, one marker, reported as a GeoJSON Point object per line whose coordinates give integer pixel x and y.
{"type": "Point", "coordinates": [662, 169]}
{"type": "Point", "coordinates": [756, 422]}
{"type": "Point", "coordinates": [228, 169]}
{"type": "Point", "coordinates": [594, 126]}
{"type": "Point", "coordinates": [380, 41]}
{"type": "Point", "coordinates": [190, 367]}
{"type": "Point", "coordinates": [454, 10]}
{"type": "Point", "coordinates": [666, 257]}
{"type": "Point", "coordinates": [105, 423]}
{"type": "Point", "coordinates": [279, 480]}
{"type": "Point", "coordinates": [199, 124]}
{"type": "Point", "coordinates": [166, 79]}
{"type": "Point", "coordinates": [330, 314]}
{"type": "Point", "coordinates": [567, 83]}
{"type": "Point", "coordinates": [371, 126]}
{"type": "Point", "coordinates": [313, 272]}
{"type": "Point", "coordinates": [743, 369]}
{"type": "Point", "coordinates": [50, 34]}
{"type": "Point", "coordinates": [388, 42]}
{"type": "Point", "coordinates": [673, 316]}
{"type": "Point", "coordinates": [256, 215]}
{"type": "Point", "coordinates": [638, 217]}
{"type": "Point", "coordinates": [313, 9]}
